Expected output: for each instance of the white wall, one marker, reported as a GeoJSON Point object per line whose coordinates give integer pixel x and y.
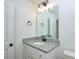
{"type": "Point", "coordinates": [23, 9]}
{"type": "Point", "coordinates": [67, 24]}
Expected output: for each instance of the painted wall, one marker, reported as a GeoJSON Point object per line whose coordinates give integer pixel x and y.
{"type": "Point", "coordinates": [67, 24]}
{"type": "Point", "coordinates": [24, 10]}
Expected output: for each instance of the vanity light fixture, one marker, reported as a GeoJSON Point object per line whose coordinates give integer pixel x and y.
{"type": "Point", "coordinates": [44, 3]}
{"type": "Point", "coordinates": [45, 6]}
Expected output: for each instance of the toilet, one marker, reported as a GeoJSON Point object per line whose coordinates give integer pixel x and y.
{"type": "Point", "coordinates": [69, 54]}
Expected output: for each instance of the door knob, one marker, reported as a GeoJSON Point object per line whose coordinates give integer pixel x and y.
{"type": "Point", "coordinates": [11, 44]}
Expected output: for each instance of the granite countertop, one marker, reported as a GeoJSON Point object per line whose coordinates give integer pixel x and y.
{"type": "Point", "coordinates": [44, 46]}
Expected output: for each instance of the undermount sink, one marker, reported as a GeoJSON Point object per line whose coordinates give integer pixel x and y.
{"type": "Point", "coordinates": [39, 43]}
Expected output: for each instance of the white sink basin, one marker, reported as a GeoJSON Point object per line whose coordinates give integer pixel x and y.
{"type": "Point", "coordinates": [39, 43]}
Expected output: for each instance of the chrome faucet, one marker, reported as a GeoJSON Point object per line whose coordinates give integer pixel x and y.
{"type": "Point", "coordinates": [48, 36]}
{"type": "Point", "coordinates": [43, 37]}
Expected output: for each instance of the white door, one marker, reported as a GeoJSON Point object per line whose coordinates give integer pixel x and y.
{"type": "Point", "coordinates": [9, 31]}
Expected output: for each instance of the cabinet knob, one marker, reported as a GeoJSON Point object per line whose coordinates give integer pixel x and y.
{"type": "Point", "coordinates": [40, 56]}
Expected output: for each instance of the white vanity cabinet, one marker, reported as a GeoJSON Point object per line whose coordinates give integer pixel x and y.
{"type": "Point", "coordinates": [33, 53]}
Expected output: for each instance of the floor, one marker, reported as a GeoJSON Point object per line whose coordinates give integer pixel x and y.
{"type": "Point", "coordinates": [67, 57]}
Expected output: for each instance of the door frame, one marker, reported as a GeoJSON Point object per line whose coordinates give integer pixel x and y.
{"type": "Point", "coordinates": [9, 30]}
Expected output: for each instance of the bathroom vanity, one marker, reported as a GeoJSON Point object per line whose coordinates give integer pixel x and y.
{"type": "Point", "coordinates": [46, 25]}
{"type": "Point", "coordinates": [34, 48]}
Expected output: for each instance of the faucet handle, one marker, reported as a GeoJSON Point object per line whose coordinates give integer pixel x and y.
{"type": "Point", "coordinates": [42, 36]}
{"type": "Point", "coordinates": [49, 35]}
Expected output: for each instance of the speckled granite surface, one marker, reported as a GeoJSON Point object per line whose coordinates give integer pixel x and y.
{"type": "Point", "coordinates": [45, 47]}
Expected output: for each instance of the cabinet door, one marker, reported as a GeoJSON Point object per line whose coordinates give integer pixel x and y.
{"type": "Point", "coordinates": [54, 54]}
{"type": "Point", "coordinates": [37, 54]}
{"type": "Point", "coordinates": [26, 52]}
{"type": "Point", "coordinates": [32, 53]}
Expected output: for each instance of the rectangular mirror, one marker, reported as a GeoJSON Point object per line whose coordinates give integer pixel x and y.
{"type": "Point", "coordinates": [47, 21]}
